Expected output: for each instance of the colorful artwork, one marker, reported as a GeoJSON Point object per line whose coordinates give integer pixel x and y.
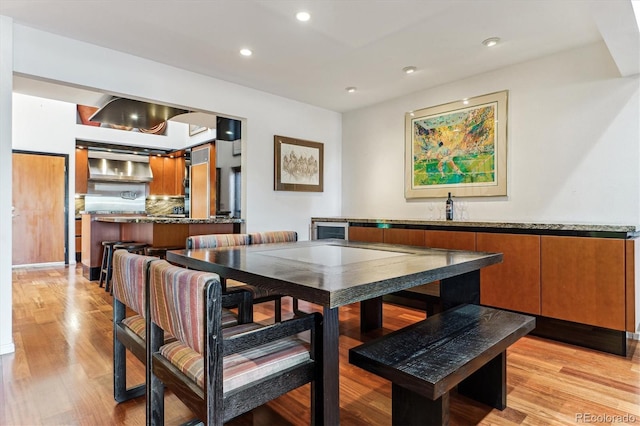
{"type": "Point", "coordinates": [459, 150]}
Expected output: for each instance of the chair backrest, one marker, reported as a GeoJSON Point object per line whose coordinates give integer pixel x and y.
{"type": "Point", "coordinates": [273, 237]}
{"type": "Point", "coordinates": [178, 302]}
{"type": "Point", "coordinates": [130, 278]}
{"type": "Point", "coordinates": [217, 240]}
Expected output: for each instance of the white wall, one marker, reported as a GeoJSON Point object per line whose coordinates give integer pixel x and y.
{"type": "Point", "coordinates": [573, 145]}
{"type": "Point", "coordinates": [6, 87]}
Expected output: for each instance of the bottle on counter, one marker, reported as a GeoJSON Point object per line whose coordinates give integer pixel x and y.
{"type": "Point", "coordinates": [449, 209]}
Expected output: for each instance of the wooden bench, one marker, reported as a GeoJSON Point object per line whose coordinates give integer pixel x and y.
{"type": "Point", "coordinates": [463, 346]}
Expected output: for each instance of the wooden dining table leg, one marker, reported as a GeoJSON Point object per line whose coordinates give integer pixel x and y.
{"type": "Point", "coordinates": [331, 367]}
{"type": "Point", "coordinates": [464, 288]}
{"type": "Point", "coordinates": [371, 314]}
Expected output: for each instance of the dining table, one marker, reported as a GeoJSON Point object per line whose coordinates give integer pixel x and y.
{"type": "Point", "coordinates": [334, 273]}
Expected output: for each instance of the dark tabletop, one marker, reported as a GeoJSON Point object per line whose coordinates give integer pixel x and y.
{"type": "Point", "coordinates": [334, 273]}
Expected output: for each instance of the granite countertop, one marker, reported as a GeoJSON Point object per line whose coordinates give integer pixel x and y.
{"type": "Point", "coordinates": [165, 220]}
{"type": "Point", "coordinates": [631, 230]}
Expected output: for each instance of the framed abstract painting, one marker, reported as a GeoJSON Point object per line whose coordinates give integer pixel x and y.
{"type": "Point", "coordinates": [459, 147]}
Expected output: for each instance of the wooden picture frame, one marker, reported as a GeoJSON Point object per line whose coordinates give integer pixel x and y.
{"type": "Point", "coordinates": [298, 165]}
{"type": "Point", "coordinates": [459, 147]}
{"type": "Point", "coordinates": [194, 129]}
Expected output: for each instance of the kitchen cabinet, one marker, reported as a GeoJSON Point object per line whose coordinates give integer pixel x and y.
{"type": "Point", "coordinates": [78, 235]}
{"type": "Point", "coordinates": [203, 181]}
{"type": "Point", "coordinates": [583, 280]}
{"type": "Point", "coordinates": [168, 174]}
{"type": "Point", "coordinates": [513, 284]}
{"type": "Point", "coordinates": [82, 170]}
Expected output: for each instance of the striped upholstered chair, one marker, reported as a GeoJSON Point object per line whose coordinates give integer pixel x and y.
{"type": "Point", "coordinates": [270, 237]}
{"type": "Point", "coordinates": [129, 332]}
{"type": "Point", "coordinates": [130, 283]}
{"type": "Point", "coordinates": [222, 373]}
{"type": "Point", "coordinates": [259, 294]}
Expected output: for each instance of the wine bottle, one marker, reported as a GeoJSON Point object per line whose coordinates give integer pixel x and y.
{"type": "Point", "coordinates": [449, 211]}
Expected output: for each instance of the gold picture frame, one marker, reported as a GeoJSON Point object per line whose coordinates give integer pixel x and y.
{"type": "Point", "coordinates": [459, 147]}
{"type": "Point", "coordinates": [298, 165]}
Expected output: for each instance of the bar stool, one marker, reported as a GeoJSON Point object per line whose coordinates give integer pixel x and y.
{"type": "Point", "coordinates": [106, 267]}
{"type": "Point", "coordinates": [131, 247]}
{"type": "Point", "coordinates": [160, 252]}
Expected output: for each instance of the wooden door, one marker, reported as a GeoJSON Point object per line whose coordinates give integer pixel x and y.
{"type": "Point", "coordinates": [39, 200]}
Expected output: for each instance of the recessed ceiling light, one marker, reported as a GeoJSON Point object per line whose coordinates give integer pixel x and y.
{"type": "Point", "coordinates": [303, 16]}
{"type": "Point", "coordinates": [246, 52]}
{"type": "Point", "coordinates": [409, 70]}
{"type": "Point", "coordinates": [351, 89]}
{"type": "Point", "coordinates": [465, 101]}
{"type": "Point", "coordinates": [490, 42]}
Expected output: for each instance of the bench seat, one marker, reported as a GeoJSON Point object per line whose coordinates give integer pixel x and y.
{"type": "Point", "coordinates": [464, 346]}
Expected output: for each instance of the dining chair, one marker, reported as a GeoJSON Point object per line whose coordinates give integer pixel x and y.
{"type": "Point", "coordinates": [130, 284]}
{"type": "Point", "coordinates": [276, 237]}
{"type": "Point", "coordinates": [220, 373]}
{"type": "Point", "coordinates": [259, 294]}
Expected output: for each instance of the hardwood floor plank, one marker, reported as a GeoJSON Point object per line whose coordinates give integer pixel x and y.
{"type": "Point", "coordinates": [61, 372]}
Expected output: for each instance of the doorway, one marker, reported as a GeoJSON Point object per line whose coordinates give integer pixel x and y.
{"type": "Point", "coordinates": [40, 206]}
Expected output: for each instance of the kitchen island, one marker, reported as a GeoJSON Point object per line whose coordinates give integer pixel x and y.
{"type": "Point", "coordinates": [164, 231]}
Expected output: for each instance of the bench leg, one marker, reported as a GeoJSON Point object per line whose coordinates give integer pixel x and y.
{"type": "Point", "coordinates": [410, 409]}
{"type": "Point", "coordinates": [489, 384]}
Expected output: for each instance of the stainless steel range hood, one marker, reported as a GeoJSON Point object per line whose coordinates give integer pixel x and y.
{"type": "Point", "coordinates": [133, 113]}
{"type": "Point", "coordinates": [107, 167]}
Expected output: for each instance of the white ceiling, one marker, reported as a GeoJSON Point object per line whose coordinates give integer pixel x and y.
{"type": "Point", "coordinates": [362, 43]}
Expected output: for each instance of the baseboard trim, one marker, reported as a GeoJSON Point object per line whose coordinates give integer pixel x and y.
{"type": "Point", "coordinates": [8, 348]}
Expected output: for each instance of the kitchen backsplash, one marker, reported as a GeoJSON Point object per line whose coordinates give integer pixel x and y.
{"type": "Point", "coordinates": [153, 205]}
{"type": "Point", "coordinates": [160, 205]}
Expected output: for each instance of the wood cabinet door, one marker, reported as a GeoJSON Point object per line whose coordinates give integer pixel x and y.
{"type": "Point", "coordinates": [365, 234]}
{"type": "Point", "coordinates": [82, 170]}
{"type": "Point", "coordinates": [169, 176]}
{"type": "Point", "coordinates": [452, 240]}
{"type": "Point", "coordinates": [200, 191]}
{"type": "Point", "coordinates": [513, 284]}
{"type": "Point", "coordinates": [410, 237]}
{"type": "Point", "coordinates": [583, 280]}
{"type": "Point", "coordinates": [156, 186]}
{"type": "Point", "coordinates": [179, 175]}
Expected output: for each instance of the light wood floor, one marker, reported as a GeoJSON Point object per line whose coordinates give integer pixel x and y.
{"type": "Point", "coordinates": [61, 371]}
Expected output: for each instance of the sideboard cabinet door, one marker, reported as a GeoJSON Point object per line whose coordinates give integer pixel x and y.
{"type": "Point", "coordinates": [513, 284]}
{"type": "Point", "coordinates": [365, 234]}
{"type": "Point", "coordinates": [583, 280]}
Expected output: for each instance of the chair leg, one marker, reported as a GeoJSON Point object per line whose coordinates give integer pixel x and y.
{"type": "Point", "coordinates": [120, 391]}
{"type": "Point", "coordinates": [278, 309]}
{"type": "Point", "coordinates": [296, 310]}
{"type": "Point", "coordinates": [103, 266]}
{"type": "Point", "coordinates": [107, 283]}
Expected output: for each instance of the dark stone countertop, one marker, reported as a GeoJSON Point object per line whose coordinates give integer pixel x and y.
{"type": "Point", "coordinates": [629, 231]}
{"type": "Point", "coordinates": [165, 220]}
